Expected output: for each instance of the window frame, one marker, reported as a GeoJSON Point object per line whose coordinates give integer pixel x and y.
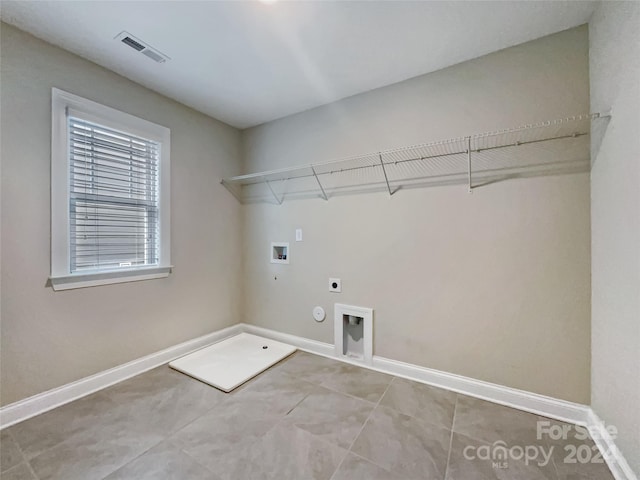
{"type": "Point", "coordinates": [61, 278]}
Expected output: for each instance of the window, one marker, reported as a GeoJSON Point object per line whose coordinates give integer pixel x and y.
{"type": "Point", "coordinates": [109, 195]}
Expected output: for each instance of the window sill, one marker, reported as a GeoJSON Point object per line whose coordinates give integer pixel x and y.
{"type": "Point", "coordinates": [94, 279]}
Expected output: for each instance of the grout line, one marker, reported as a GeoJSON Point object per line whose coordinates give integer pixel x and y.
{"type": "Point", "coordinates": [19, 467]}
{"type": "Point", "coordinates": [135, 458]}
{"type": "Point", "coordinates": [166, 437]}
{"type": "Point", "coordinates": [346, 454]}
{"type": "Point", "coordinates": [24, 456]}
{"type": "Point", "coordinates": [169, 435]}
{"type": "Point", "coordinates": [32, 471]}
{"type": "Point", "coordinates": [257, 439]}
{"type": "Point", "coordinates": [195, 460]}
{"type": "Point", "coordinates": [555, 467]}
{"type": "Point", "coordinates": [206, 412]}
{"type": "Point", "coordinates": [348, 394]}
{"type": "Point", "coordinates": [296, 405]}
{"type": "Point", "coordinates": [282, 418]}
{"type": "Point", "coordinates": [13, 439]}
{"type": "Point", "coordinates": [368, 460]}
{"type": "Point", "coordinates": [429, 422]}
{"type": "Point", "coordinates": [103, 392]}
{"type": "Point", "coordinates": [453, 422]}
{"type": "Point", "coordinates": [393, 378]}
{"type": "Point", "coordinates": [321, 384]}
{"type": "Point", "coordinates": [248, 386]}
{"type": "Point", "coordinates": [361, 429]}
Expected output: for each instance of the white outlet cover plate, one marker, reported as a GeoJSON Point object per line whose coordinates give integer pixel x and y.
{"type": "Point", "coordinates": [337, 289]}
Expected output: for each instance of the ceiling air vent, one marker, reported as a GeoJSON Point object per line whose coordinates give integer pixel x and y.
{"type": "Point", "coordinates": [140, 46]}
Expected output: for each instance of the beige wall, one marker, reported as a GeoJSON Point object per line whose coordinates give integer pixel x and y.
{"type": "Point", "coordinates": [494, 285]}
{"type": "Point", "coordinates": [615, 215]}
{"type": "Point", "coordinates": [52, 338]}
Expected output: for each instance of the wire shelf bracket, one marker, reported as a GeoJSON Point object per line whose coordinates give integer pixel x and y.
{"type": "Point", "coordinates": [278, 199]}
{"type": "Point", "coordinates": [386, 178]}
{"type": "Point", "coordinates": [324, 194]}
{"type": "Point", "coordinates": [469, 164]}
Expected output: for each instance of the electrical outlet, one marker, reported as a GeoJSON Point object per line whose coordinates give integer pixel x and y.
{"type": "Point", "coordinates": [335, 285]}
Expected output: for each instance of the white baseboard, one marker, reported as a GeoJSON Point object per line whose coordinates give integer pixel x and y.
{"type": "Point", "coordinates": [522, 400]}
{"type": "Point", "coordinates": [312, 346]}
{"type": "Point", "coordinates": [511, 397]}
{"type": "Point", "coordinates": [610, 452]}
{"type": "Point", "coordinates": [42, 402]}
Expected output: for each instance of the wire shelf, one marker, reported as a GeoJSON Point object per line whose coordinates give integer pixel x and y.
{"type": "Point", "coordinates": [545, 148]}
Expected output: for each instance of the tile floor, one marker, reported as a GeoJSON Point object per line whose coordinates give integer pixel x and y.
{"type": "Point", "coordinates": [307, 417]}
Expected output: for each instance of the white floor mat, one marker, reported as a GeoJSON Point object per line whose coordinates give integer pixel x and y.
{"type": "Point", "coordinates": [231, 362]}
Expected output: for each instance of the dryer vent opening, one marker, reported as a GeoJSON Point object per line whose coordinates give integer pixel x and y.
{"type": "Point", "coordinates": [353, 332]}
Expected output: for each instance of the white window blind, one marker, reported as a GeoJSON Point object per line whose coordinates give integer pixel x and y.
{"type": "Point", "coordinates": [113, 198]}
{"type": "Point", "coordinates": [110, 195]}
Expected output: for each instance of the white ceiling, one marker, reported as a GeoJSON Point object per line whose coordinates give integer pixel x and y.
{"type": "Point", "coordinates": [247, 62]}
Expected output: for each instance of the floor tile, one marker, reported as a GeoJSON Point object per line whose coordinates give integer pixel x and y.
{"type": "Point", "coordinates": [296, 420]}
{"type": "Point", "coordinates": [163, 462]}
{"type": "Point", "coordinates": [584, 471]}
{"type": "Point", "coordinates": [219, 439]}
{"type": "Point", "coordinates": [312, 368]}
{"type": "Point", "coordinates": [287, 452]}
{"type": "Point", "coordinates": [331, 416]}
{"type": "Point", "coordinates": [19, 472]}
{"type": "Point", "coordinates": [10, 454]}
{"type": "Point", "coordinates": [358, 382]}
{"type": "Point", "coordinates": [575, 452]}
{"type": "Point", "coordinates": [163, 399]}
{"type": "Point", "coordinates": [95, 453]}
{"type": "Point", "coordinates": [434, 405]}
{"type": "Point", "coordinates": [51, 428]}
{"type": "Point", "coordinates": [576, 455]}
{"type": "Point", "coordinates": [404, 444]}
{"type": "Point", "coordinates": [473, 459]}
{"type": "Point", "coordinates": [357, 468]}
{"type": "Point", "coordinates": [275, 392]}
{"type": "Point", "coordinates": [490, 422]}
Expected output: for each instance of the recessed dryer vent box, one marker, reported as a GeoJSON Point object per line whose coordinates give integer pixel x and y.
{"type": "Point", "coordinates": [279, 252]}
